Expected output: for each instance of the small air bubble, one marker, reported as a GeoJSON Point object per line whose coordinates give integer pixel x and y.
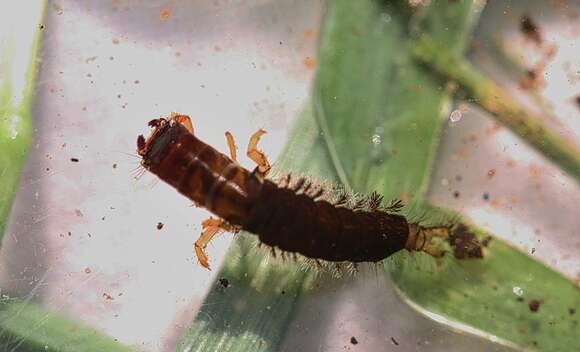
{"type": "Point", "coordinates": [518, 291]}
{"type": "Point", "coordinates": [376, 139]}
{"type": "Point", "coordinates": [455, 116]}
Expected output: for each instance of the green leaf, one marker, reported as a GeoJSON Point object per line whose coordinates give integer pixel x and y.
{"type": "Point", "coordinates": [498, 101]}
{"type": "Point", "coordinates": [374, 124]}
{"type": "Point", "coordinates": [27, 327]}
{"type": "Point", "coordinates": [16, 88]}
{"type": "Point", "coordinates": [252, 312]}
{"type": "Point", "coordinates": [408, 113]}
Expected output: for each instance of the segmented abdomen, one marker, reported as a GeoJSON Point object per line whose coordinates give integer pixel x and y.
{"type": "Point", "coordinates": [318, 229]}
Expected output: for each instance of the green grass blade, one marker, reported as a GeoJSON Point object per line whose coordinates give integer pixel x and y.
{"type": "Point", "coordinates": [27, 327]}
{"type": "Point", "coordinates": [253, 312]}
{"type": "Point", "coordinates": [407, 116]}
{"type": "Point", "coordinates": [374, 124]}
{"type": "Point", "coordinates": [499, 102]}
{"type": "Point", "coordinates": [250, 312]}
{"type": "Point", "coordinates": [16, 90]}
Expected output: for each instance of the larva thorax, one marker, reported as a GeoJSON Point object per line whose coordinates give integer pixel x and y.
{"type": "Point", "coordinates": [199, 172]}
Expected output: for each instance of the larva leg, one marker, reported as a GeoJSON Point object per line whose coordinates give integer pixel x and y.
{"type": "Point", "coordinates": [232, 146]}
{"type": "Point", "coordinates": [184, 120]}
{"type": "Point", "coordinates": [210, 227]}
{"type": "Point", "coordinates": [257, 155]}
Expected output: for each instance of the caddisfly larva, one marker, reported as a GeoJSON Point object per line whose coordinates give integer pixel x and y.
{"type": "Point", "coordinates": [291, 215]}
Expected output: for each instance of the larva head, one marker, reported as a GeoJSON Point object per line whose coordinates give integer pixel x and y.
{"type": "Point", "coordinates": [152, 147]}
{"type": "Point", "coordinates": [144, 145]}
{"type": "Point", "coordinates": [149, 148]}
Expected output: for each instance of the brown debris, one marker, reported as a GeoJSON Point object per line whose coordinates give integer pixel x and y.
{"type": "Point", "coordinates": [534, 305]}
{"type": "Point", "coordinates": [309, 62]}
{"type": "Point", "coordinates": [164, 15]}
{"type": "Point", "coordinates": [530, 29]}
{"type": "Point", "coordinates": [224, 283]}
{"type": "Point", "coordinates": [465, 244]}
{"type": "Point", "coordinates": [108, 296]}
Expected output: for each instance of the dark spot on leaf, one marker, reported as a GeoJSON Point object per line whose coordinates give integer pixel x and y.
{"type": "Point", "coordinates": [225, 283]}
{"type": "Point", "coordinates": [534, 305]}
{"type": "Point", "coordinates": [486, 240]}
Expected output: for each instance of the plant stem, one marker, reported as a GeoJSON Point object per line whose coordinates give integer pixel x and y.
{"type": "Point", "coordinates": [501, 104]}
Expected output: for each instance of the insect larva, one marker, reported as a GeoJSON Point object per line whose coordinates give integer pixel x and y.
{"type": "Point", "coordinates": [290, 216]}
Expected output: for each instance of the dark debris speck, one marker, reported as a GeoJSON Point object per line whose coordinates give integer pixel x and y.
{"type": "Point", "coordinates": [225, 283]}
{"type": "Point", "coordinates": [465, 244]}
{"type": "Point", "coordinates": [534, 305]}
{"type": "Point", "coordinates": [530, 29]}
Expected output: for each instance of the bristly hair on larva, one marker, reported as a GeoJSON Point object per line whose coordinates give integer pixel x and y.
{"type": "Point", "coordinates": [453, 237]}
{"type": "Point", "coordinates": [294, 215]}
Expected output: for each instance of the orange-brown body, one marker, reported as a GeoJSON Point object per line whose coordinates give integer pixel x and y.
{"type": "Point", "coordinates": [279, 216]}
{"type": "Point", "coordinates": [289, 218]}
